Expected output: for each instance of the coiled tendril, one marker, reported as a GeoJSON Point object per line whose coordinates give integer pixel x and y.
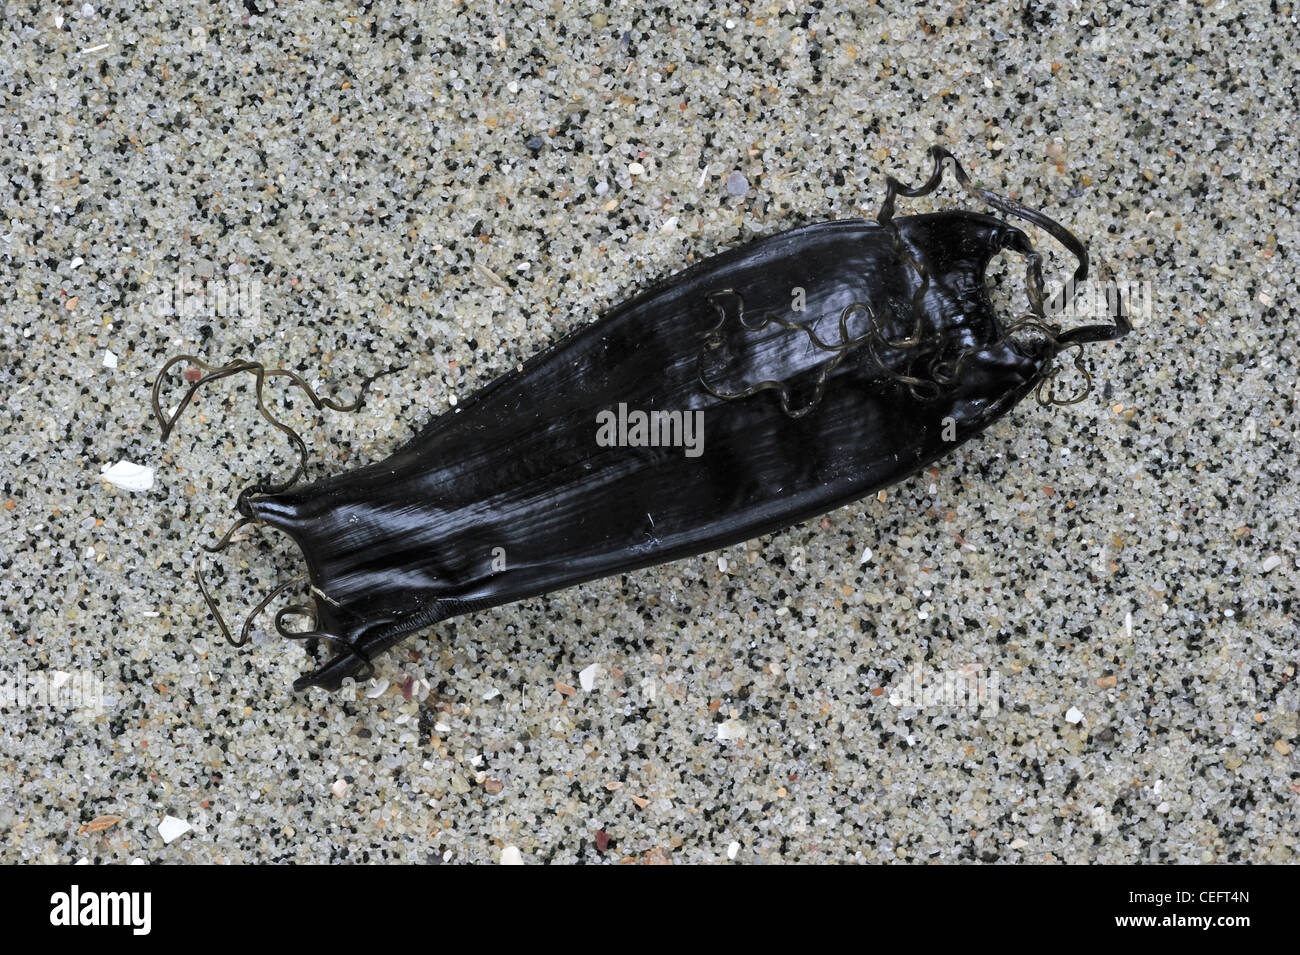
{"type": "Point", "coordinates": [260, 373]}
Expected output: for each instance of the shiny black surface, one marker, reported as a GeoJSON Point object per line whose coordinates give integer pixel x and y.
{"type": "Point", "coordinates": [510, 495]}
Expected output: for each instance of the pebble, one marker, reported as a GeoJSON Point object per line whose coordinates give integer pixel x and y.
{"type": "Point", "coordinates": [737, 185]}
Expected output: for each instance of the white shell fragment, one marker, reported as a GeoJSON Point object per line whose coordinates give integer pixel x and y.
{"type": "Point", "coordinates": [1073, 715]}
{"type": "Point", "coordinates": [511, 855]}
{"type": "Point", "coordinates": [110, 360]}
{"type": "Point", "coordinates": [172, 828]}
{"type": "Point", "coordinates": [587, 678]}
{"type": "Point", "coordinates": [128, 476]}
{"type": "Point", "coordinates": [732, 730]}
